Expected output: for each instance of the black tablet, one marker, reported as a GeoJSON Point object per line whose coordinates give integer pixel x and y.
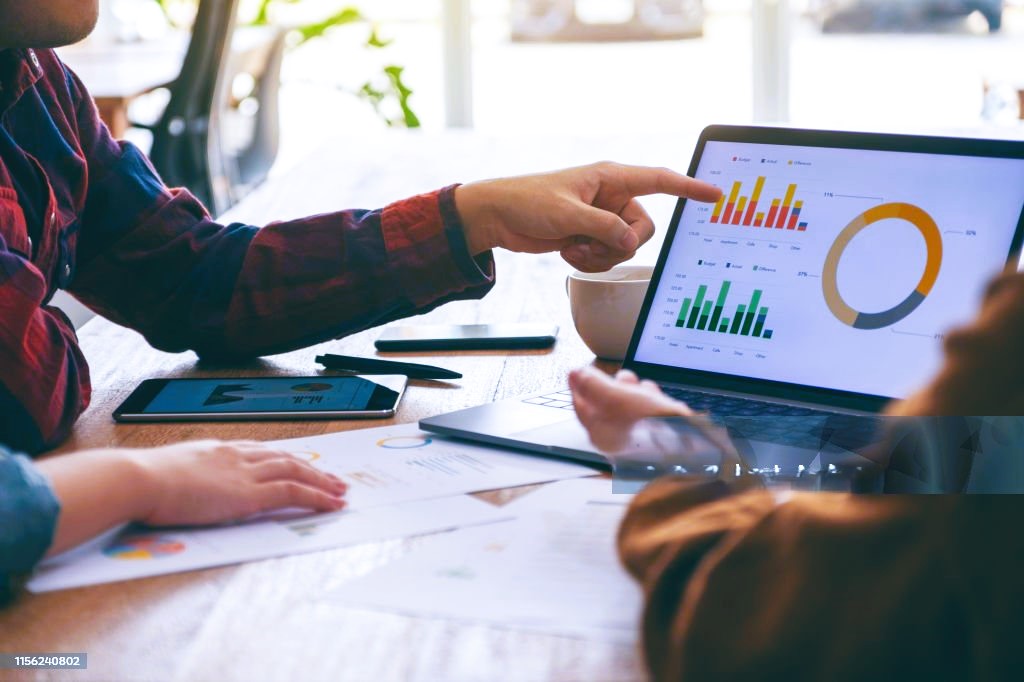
{"type": "Point", "coordinates": [467, 337]}
{"type": "Point", "coordinates": [263, 398]}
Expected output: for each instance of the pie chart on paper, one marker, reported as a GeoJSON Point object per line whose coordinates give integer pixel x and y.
{"type": "Point", "coordinates": [404, 442]}
{"type": "Point", "coordinates": [152, 547]}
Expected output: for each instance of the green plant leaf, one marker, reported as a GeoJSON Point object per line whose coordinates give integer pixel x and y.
{"type": "Point", "coordinates": [262, 16]}
{"type": "Point", "coordinates": [375, 40]}
{"type": "Point", "coordinates": [349, 15]}
{"type": "Point", "coordinates": [403, 92]}
{"type": "Point", "coordinates": [392, 87]}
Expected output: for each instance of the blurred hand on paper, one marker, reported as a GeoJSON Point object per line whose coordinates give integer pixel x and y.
{"type": "Point", "coordinates": [194, 483]}
{"type": "Point", "coordinates": [205, 482]}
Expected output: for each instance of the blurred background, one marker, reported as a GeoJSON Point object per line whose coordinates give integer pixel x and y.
{"type": "Point", "coordinates": [224, 93]}
{"type": "Point", "coordinates": [601, 66]}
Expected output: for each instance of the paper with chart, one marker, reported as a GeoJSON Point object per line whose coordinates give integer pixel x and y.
{"type": "Point", "coordinates": [402, 482]}
{"type": "Point", "coordinates": [399, 463]}
{"type": "Point", "coordinates": [140, 553]}
{"type": "Point", "coordinates": [553, 569]}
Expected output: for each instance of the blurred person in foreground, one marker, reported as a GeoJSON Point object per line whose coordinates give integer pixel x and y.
{"type": "Point", "coordinates": [745, 582]}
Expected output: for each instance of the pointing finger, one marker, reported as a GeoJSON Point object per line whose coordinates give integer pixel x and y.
{"type": "Point", "coordinates": [642, 180]}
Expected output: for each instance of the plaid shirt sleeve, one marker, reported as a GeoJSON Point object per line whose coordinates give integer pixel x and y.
{"type": "Point", "coordinates": [83, 212]}
{"type": "Point", "coordinates": [152, 259]}
{"type": "Point", "coordinates": [44, 378]}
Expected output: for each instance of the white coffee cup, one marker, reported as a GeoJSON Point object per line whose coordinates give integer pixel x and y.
{"type": "Point", "coordinates": [605, 306]}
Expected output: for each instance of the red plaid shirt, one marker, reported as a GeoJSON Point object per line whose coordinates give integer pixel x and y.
{"type": "Point", "coordinates": [83, 212]}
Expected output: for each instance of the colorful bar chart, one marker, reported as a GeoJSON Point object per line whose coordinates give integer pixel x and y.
{"type": "Point", "coordinates": [754, 198]}
{"type": "Point", "coordinates": [738, 209]}
{"type": "Point", "coordinates": [701, 313]}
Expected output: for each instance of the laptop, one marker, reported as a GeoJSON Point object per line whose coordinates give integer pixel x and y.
{"type": "Point", "coordinates": [821, 285]}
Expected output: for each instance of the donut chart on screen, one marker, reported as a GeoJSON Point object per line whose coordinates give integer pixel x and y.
{"type": "Point", "coordinates": [829, 277]}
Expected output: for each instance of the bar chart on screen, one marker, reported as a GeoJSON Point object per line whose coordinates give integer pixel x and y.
{"type": "Point", "coordinates": [702, 313]}
{"type": "Point", "coordinates": [735, 207]}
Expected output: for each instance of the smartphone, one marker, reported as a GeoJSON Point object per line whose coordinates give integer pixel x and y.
{"type": "Point", "coordinates": [263, 398]}
{"type": "Point", "coordinates": [467, 337]}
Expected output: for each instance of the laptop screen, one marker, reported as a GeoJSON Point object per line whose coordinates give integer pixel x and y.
{"type": "Point", "coordinates": [829, 267]}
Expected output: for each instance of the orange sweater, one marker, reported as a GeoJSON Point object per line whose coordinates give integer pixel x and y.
{"type": "Point", "coordinates": [827, 586]}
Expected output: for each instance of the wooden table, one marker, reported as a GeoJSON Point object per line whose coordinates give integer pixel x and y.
{"type": "Point", "coordinates": [267, 620]}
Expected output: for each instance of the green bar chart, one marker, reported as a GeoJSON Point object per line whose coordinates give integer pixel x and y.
{"type": "Point", "coordinates": [703, 313]}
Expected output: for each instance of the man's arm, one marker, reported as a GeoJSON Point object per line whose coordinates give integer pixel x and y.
{"type": "Point", "coordinates": [44, 379]}
{"type": "Point", "coordinates": [151, 258]}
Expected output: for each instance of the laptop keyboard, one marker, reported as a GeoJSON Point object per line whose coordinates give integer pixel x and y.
{"type": "Point", "coordinates": [734, 406]}
{"type": "Point", "coordinates": [747, 416]}
{"type": "Point", "coordinates": [780, 423]}
{"type": "Point", "coordinates": [560, 399]}
{"type": "Point", "coordinates": [702, 402]}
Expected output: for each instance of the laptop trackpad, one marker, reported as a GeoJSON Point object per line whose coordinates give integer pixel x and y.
{"type": "Point", "coordinates": [565, 435]}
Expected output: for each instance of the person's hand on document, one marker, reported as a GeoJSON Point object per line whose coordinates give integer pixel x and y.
{"type": "Point", "coordinates": [185, 484]}
{"type": "Point", "coordinates": [589, 214]}
{"type": "Point", "coordinates": [204, 482]}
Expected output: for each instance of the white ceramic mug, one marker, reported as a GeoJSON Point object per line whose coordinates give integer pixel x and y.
{"type": "Point", "coordinates": [605, 306]}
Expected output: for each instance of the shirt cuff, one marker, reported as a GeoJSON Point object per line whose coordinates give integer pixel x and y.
{"type": "Point", "coordinates": [28, 518]}
{"type": "Point", "coordinates": [479, 269]}
{"type": "Point", "coordinates": [427, 251]}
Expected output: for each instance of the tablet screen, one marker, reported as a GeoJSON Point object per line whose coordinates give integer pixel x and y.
{"type": "Point", "coordinates": [829, 267]}
{"type": "Point", "coordinates": [273, 394]}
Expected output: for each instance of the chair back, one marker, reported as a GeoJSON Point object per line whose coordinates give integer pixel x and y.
{"type": "Point", "coordinates": [186, 151]}
{"type": "Point", "coordinates": [249, 113]}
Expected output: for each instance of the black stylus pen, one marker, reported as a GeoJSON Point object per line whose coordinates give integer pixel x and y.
{"type": "Point", "coordinates": [370, 366]}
